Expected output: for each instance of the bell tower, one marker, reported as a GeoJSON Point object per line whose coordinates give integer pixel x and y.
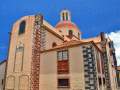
{"type": "Point", "coordinates": [65, 15]}
{"type": "Point", "coordinates": [66, 27]}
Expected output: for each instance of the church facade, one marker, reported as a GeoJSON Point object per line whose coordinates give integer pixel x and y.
{"type": "Point", "coordinates": [43, 57]}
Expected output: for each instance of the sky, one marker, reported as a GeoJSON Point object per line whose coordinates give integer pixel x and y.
{"type": "Point", "coordinates": [91, 16]}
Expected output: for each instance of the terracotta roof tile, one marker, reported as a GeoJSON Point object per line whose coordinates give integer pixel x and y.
{"type": "Point", "coordinates": [71, 44]}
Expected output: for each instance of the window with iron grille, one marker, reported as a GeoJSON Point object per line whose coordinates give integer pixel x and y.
{"type": "Point", "coordinates": [63, 83]}
{"type": "Point", "coordinates": [63, 62]}
{"type": "Point", "coordinates": [62, 55]}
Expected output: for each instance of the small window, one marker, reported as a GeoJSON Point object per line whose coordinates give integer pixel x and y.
{"type": "Point", "coordinates": [22, 27]}
{"type": "Point", "coordinates": [54, 44]}
{"type": "Point", "coordinates": [62, 55]}
{"type": "Point", "coordinates": [70, 32]}
{"type": "Point", "coordinates": [66, 16]}
{"type": "Point", "coordinates": [65, 55]}
{"type": "Point", "coordinates": [100, 82]}
{"type": "Point", "coordinates": [103, 81]}
{"type": "Point", "coordinates": [2, 81]}
{"type": "Point", "coordinates": [63, 17]}
{"type": "Point", "coordinates": [63, 83]}
{"type": "Point", "coordinates": [19, 49]}
{"type": "Point", "coordinates": [59, 55]}
{"type": "Point", "coordinates": [60, 30]}
{"type": "Point", "coordinates": [78, 35]}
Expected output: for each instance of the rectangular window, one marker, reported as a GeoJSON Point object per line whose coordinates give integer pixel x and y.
{"type": "Point", "coordinates": [62, 55]}
{"type": "Point", "coordinates": [63, 83]}
{"type": "Point", "coordinates": [62, 64]}
{"type": "Point", "coordinates": [103, 81]}
{"type": "Point", "coordinates": [65, 55]}
{"type": "Point", "coordinates": [100, 82]}
{"type": "Point", "coordinates": [2, 81]}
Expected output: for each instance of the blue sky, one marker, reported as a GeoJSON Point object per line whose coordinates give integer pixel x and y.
{"type": "Point", "coordinates": [91, 16]}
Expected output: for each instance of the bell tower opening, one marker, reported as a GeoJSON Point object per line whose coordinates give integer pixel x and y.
{"type": "Point", "coordinates": [65, 15]}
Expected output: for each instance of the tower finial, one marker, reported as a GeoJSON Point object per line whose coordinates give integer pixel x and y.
{"type": "Point", "coordinates": [65, 15]}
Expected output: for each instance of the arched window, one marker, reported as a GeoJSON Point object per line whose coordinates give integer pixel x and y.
{"type": "Point", "coordinates": [10, 83]}
{"type": "Point", "coordinates": [78, 35]}
{"type": "Point", "coordinates": [23, 82]}
{"type": "Point", "coordinates": [19, 57]}
{"type": "Point", "coordinates": [63, 17]}
{"type": "Point", "coordinates": [22, 27]}
{"type": "Point", "coordinates": [66, 16]}
{"type": "Point", "coordinates": [60, 30]}
{"type": "Point", "coordinates": [70, 32]}
{"type": "Point", "coordinates": [54, 44]}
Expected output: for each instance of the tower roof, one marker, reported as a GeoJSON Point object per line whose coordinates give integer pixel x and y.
{"type": "Point", "coordinates": [65, 21]}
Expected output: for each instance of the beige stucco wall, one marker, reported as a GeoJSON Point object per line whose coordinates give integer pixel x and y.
{"type": "Point", "coordinates": [48, 70]}
{"type": "Point", "coordinates": [13, 78]}
{"type": "Point", "coordinates": [76, 68]}
{"type": "Point", "coordinates": [50, 38]}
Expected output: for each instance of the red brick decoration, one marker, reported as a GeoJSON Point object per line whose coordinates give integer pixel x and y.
{"type": "Point", "coordinates": [35, 64]}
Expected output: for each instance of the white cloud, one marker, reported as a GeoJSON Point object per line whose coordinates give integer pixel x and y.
{"type": "Point", "coordinates": [115, 36]}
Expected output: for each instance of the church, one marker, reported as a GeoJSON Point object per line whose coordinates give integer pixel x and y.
{"type": "Point", "coordinates": [46, 57]}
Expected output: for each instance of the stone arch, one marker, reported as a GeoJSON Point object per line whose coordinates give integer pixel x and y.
{"type": "Point", "coordinates": [19, 56]}
{"type": "Point", "coordinates": [24, 82]}
{"type": "Point", "coordinates": [10, 84]}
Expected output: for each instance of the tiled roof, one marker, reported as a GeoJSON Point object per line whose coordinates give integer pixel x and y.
{"type": "Point", "coordinates": [95, 39]}
{"type": "Point", "coordinates": [52, 29]}
{"type": "Point", "coordinates": [71, 44]}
